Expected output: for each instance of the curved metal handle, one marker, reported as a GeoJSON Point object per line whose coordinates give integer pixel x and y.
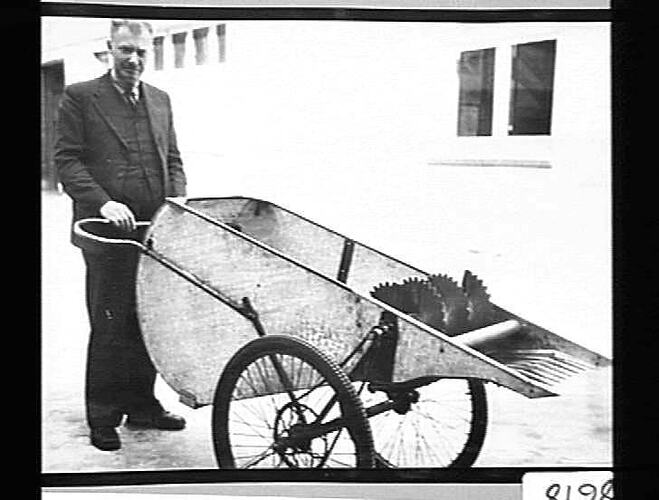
{"type": "Point", "coordinates": [87, 240]}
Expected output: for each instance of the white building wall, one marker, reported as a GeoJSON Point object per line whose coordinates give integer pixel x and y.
{"type": "Point", "coordinates": [353, 124]}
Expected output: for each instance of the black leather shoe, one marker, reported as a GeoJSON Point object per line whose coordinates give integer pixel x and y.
{"type": "Point", "coordinates": [163, 420]}
{"type": "Point", "coordinates": [105, 438]}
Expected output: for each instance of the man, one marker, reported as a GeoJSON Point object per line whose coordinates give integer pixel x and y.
{"type": "Point", "coordinates": [117, 157]}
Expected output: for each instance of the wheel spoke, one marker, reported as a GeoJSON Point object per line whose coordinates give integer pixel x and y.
{"type": "Point", "coordinates": [331, 447]}
{"type": "Point", "coordinates": [432, 418]}
{"type": "Point", "coordinates": [264, 378]}
{"type": "Point", "coordinates": [250, 425]}
{"type": "Point", "coordinates": [256, 411]}
{"type": "Point", "coordinates": [258, 459]}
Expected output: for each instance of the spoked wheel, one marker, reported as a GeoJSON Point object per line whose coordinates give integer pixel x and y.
{"type": "Point", "coordinates": [444, 428]}
{"type": "Point", "coordinates": [280, 402]}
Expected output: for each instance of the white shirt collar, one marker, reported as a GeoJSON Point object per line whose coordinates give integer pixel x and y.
{"type": "Point", "coordinates": [135, 90]}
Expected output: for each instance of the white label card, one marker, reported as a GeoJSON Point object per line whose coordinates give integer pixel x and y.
{"type": "Point", "coordinates": [581, 485]}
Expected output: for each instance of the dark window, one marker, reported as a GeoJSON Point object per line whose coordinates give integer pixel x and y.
{"type": "Point", "coordinates": [200, 43]}
{"type": "Point", "coordinates": [221, 41]}
{"type": "Point", "coordinates": [179, 49]}
{"type": "Point", "coordinates": [158, 54]}
{"type": "Point", "coordinates": [532, 88]}
{"type": "Point", "coordinates": [476, 70]}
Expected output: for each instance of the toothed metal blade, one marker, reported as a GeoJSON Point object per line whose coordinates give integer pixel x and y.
{"type": "Point", "coordinates": [412, 287]}
{"type": "Point", "coordinates": [481, 311]}
{"type": "Point", "coordinates": [396, 296]}
{"type": "Point", "coordinates": [431, 309]}
{"type": "Point", "coordinates": [416, 297]}
{"type": "Point", "coordinates": [456, 315]}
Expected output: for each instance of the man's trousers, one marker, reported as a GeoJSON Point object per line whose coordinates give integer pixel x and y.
{"type": "Point", "coordinates": [120, 375]}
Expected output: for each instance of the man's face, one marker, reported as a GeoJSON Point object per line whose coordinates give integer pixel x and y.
{"type": "Point", "coordinates": [129, 52]}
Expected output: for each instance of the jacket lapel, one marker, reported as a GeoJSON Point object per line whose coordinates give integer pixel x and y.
{"type": "Point", "coordinates": [157, 112]}
{"type": "Point", "coordinates": [104, 100]}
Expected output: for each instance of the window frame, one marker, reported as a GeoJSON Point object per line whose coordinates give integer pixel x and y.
{"type": "Point", "coordinates": [516, 127]}
{"type": "Point", "coordinates": [485, 91]}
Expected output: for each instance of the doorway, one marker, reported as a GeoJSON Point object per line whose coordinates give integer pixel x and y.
{"type": "Point", "coordinates": [52, 86]}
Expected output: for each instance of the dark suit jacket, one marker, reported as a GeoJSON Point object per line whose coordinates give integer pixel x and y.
{"type": "Point", "coordinates": [90, 151]}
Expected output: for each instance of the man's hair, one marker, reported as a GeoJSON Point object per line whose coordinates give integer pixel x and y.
{"type": "Point", "coordinates": [135, 27]}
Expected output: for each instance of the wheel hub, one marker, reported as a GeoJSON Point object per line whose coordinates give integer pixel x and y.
{"type": "Point", "coordinates": [290, 441]}
{"type": "Point", "coordinates": [403, 401]}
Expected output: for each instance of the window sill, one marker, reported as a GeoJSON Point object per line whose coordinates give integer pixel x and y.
{"type": "Point", "coordinates": [491, 163]}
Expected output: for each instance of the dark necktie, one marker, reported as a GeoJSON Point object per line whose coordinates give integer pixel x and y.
{"type": "Point", "coordinates": [130, 97]}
